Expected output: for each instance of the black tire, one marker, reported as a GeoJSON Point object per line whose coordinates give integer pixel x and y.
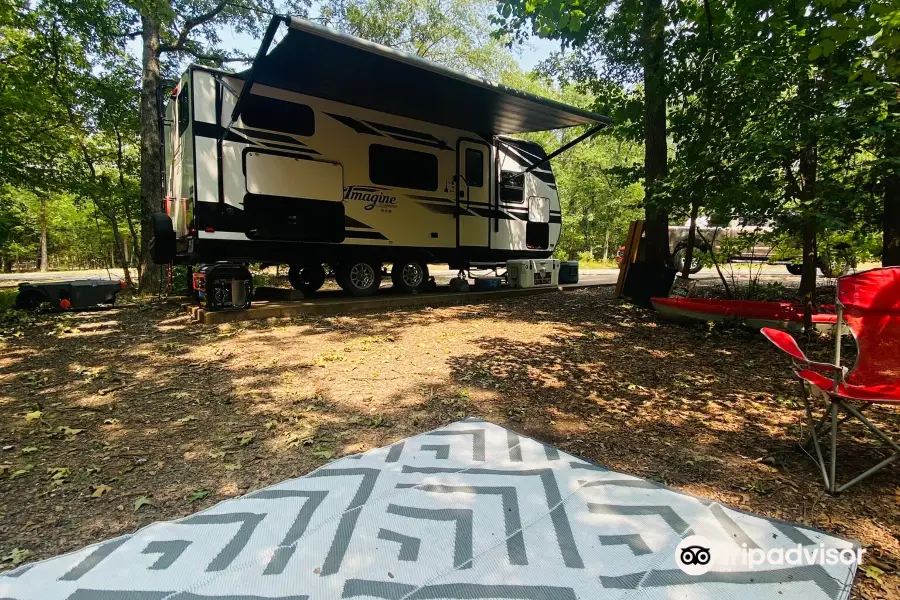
{"type": "Point", "coordinates": [678, 260]}
{"type": "Point", "coordinates": [795, 269]}
{"type": "Point", "coordinates": [162, 244]}
{"type": "Point", "coordinates": [30, 299]}
{"type": "Point", "coordinates": [409, 276]}
{"type": "Point", "coordinates": [359, 277]}
{"type": "Point", "coordinates": [307, 279]}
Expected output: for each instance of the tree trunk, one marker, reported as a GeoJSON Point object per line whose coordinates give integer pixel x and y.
{"type": "Point", "coordinates": [44, 264]}
{"type": "Point", "coordinates": [606, 246]}
{"type": "Point", "coordinates": [656, 224]}
{"type": "Point", "coordinates": [119, 249]}
{"type": "Point", "coordinates": [890, 256]}
{"type": "Point", "coordinates": [691, 241]}
{"type": "Point", "coordinates": [135, 242]}
{"type": "Point", "coordinates": [808, 164]}
{"type": "Point", "coordinates": [151, 158]}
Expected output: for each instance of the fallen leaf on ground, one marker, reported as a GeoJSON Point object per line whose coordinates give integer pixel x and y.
{"type": "Point", "coordinates": [246, 438]}
{"type": "Point", "coordinates": [37, 414]}
{"type": "Point", "coordinates": [198, 495]}
{"type": "Point", "coordinates": [16, 556]}
{"type": "Point", "coordinates": [231, 466]}
{"type": "Point", "coordinates": [29, 449]}
{"type": "Point", "coordinates": [20, 472]}
{"type": "Point", "coordinates": [141, 502]}
{"type": "Point", "coordinates": [57, 473]}
{"type": "Point", "coordinates": [66, 430]}
{"type": "Point", "coordinates": [99, 490]}
{"type": "Point", "coordinates": [186, 419]}
{"type": "Point", "coordinates": [873, 572]}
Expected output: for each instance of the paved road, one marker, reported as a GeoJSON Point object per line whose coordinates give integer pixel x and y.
{"type": "Point", "coordinates": [769, 273]}
{"type": "Point", "coordinates": [13, 279]}
{"type": "Point", "coordinates": [442, 275]}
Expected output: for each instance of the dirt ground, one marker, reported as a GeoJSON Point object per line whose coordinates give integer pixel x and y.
{"type": "Point", "coordinates": [111, 420]}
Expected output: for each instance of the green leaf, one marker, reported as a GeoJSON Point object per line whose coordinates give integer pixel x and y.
{"type": "Point", "coordinates": [575, 20]}
{"type": "Point", "coordinates": [828, 47]}
{"type": "Point", "coordinates": [326, 454]}
{"type": "Point", "coordinates": [37, 414]}
{"type": "Point", "coordinates": [198, 495]}
{"type": "Point", "coordinates": [873, 572]}
{"type": "Point", "coordinates": [246, 438]}
{"type": "Point", "coordinates": [58, 473]}
{"type": "Point", "coordinates": [16, 556]}
{"type": "Point", "coordinates": [506, 11]}
{"type": "Point", "coordinates": [815, 52]}
{"type": "Point", "coordinates": [29, 450]}
{"type": "Point", "coordinates": [23, 471]}
{"type": "Point", "coordinates": [141, 502]}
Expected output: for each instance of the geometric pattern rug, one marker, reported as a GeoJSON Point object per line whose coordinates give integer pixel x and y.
{"type": "Point", "coordinates": [470, 510]}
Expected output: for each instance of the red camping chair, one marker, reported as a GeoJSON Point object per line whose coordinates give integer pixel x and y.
{"type": "Point", "coordinates": [869, 304]}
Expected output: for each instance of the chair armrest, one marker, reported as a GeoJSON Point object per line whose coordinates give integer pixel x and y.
{"type": "Point", "coordinates": [784, 342]}
{"type": "Point", "coordinates": [787, 344]}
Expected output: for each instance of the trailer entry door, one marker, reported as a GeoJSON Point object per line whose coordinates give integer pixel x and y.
{"type": "Point", "coordinates": [473, 193]}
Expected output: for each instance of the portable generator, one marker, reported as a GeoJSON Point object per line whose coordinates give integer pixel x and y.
{"type": "Point", "coordinates": [223, 286]}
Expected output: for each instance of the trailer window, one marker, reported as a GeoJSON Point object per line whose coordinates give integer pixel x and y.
{"type": "Point", "coordinates": [184, 110]}
{"type": "Point", "coordinates": [398, 167]}
{"type": "Point", "coordinates": [278, 115]}
{"type": "Point", "coordinates": [475, 167]}
{"type": "Point", "coordinates": [512, 186]}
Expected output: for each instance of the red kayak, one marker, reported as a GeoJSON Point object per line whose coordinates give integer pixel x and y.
{"type": "Point", "coordinates": [754, 314]}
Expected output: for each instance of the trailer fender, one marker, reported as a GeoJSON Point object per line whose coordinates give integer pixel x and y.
{"type": "Point", "coordinates": [162, 244]}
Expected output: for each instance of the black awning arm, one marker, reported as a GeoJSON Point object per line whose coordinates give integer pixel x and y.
{"type": "Point", "coordinates": [589, 133]}
{"type": "Point", "coordinates": [260, 54]}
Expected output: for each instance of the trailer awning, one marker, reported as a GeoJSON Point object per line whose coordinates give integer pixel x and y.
{"type": "Point", "coordinates": [317, 61]}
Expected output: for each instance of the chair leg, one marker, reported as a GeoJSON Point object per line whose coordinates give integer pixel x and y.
{"type": "Point", "coordinates": [855, 412]}
{"type": "Point", "coordinates": [822, 427]}
{"type": "Point", "coordinates": [814, 435]}
{"type": "Point", "coordinates": [833, 457]}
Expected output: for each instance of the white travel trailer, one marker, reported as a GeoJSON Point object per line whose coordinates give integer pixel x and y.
{"type": "Point", "coordinates": [332, 150]}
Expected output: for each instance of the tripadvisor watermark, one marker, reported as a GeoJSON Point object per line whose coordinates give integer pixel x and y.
{"type": "Point", "coordinates": [696, 555]}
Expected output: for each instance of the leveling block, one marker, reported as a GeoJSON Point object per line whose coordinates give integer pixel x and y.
{"type": "Point", "coordinates": [470, 510]}
{"type": "Point", "coordinates": [328, 303]}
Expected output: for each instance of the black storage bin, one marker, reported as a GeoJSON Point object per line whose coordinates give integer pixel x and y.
{"type": "Point", "coordinates": [646, 280]}
{"type": "Point", "coordinates": [568, 272]}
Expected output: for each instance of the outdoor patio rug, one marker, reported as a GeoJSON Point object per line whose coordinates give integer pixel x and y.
{"type": "Point", "coordinates": [471, 510]}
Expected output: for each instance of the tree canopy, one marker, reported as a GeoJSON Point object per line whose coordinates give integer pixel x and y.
{"type": "Point", "coordinates": [784, 112]}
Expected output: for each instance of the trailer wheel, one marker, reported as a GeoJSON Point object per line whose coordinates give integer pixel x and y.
{"type": "Point", "coordinates": [409, 276]}
{"type": "Point", "coordinates": [359, 277]}
{"type": "Point", "coordinates": [307, 279]}
{"type": "Point", "coordinates": [795, 269]}
{"type": "Point", "coordinates": [679, 256]}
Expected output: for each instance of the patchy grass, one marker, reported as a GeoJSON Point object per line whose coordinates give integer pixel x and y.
{"type": "Point", "coordinates": [7, 298]}
{"type": "Point", "coordinates": [113, 419]}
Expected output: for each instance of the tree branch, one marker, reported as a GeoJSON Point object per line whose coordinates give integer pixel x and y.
{"type": "Point", "coordinates": [189, 25]}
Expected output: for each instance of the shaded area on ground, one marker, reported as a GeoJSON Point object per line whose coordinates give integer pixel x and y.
{"type": "Point", "coordinates": [138, 405]}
